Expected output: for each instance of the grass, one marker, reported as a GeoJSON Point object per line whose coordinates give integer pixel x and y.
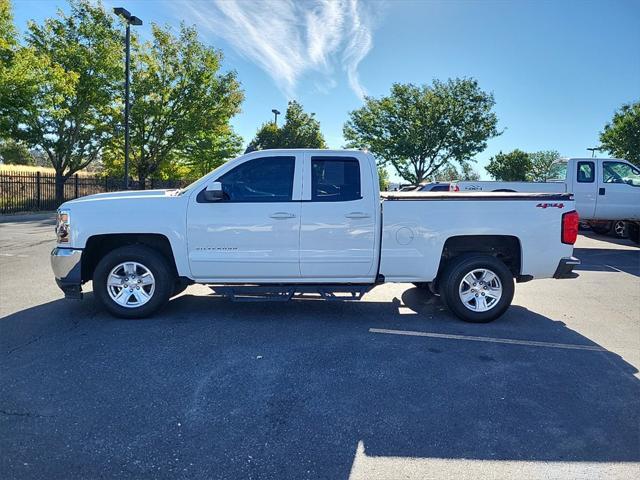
{"type": "Point", "coordinates": [32, 169]}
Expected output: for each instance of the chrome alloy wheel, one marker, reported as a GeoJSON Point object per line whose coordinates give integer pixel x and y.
{"type": "Point", "coordinates": [480, 290]}
{"type": "Point", "coordinates": [131, 284]}
{"type": "Point", "coordinates": [620, 228]}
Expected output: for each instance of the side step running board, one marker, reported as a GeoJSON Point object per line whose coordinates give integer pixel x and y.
{"type": "Point", "coordinates": [284, 293]}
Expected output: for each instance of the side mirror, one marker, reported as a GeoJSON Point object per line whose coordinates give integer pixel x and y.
{"type": "Point", "coordinates": [214, 192]}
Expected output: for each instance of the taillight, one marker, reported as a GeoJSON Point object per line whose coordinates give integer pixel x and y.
{"type": "Point", "coordinates": [570, 227]}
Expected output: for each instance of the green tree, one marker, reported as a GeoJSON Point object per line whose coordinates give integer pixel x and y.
{"type": "Point", "coordinates": [421, 129]}
{"type": "Point", "coordinates": [15, 153]}
{"type": "Point", "coordinates": [300, 130]}
{"type": "Point", "coordinates": [450, 173]}
{"type": "Point", "coordinates": [180, 102]}
{"type": "Point", "coordinates": [510, 167]}
{"type": "Point", "coordinates": [544, 165]}
{"type": "Point", "coordinates": [8, 33]}
{"type": "Point", "coordinates": [621, 137]}
{"type": "Point", "coordinates": [383, 178]}
{"type": "Point", "coordinates": [68, 71]}
{"type": "Point", "coordinates": [208, 150]}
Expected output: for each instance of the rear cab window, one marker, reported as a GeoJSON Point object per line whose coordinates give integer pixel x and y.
{"type": "Point", "coordinates": [335, 179]}
{"type": "Point", "coordinates": [586, 172]}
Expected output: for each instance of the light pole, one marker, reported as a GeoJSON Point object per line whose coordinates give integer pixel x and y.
{"type": "Point", "coordinates": [275, 112]}
{"type": "Point", "coordinates": [129, 20]}
{"type": "Point", "coordinates": [593, 151]}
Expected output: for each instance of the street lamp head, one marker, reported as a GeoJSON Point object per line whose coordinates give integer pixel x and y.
{"type": "Point", "coordinates": [122, 12]}
{"type": "Point", "coordinates": [275, 111]}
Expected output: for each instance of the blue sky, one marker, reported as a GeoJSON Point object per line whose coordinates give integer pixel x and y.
{"type": "Point", "coordinates": [558, 69]}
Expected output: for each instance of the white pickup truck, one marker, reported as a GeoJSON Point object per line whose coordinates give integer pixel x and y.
{"type": "Point", "coordinates": [604, 188]}
{"type": "Point", "coordinates": [275, 224]}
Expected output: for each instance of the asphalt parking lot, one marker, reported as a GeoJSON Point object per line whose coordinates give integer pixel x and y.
{"type": "Point", "coordinates": [389, 387]}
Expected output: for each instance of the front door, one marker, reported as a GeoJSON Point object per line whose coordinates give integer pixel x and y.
{"type": "Point", "coordinates": [253, 233]}
{"type": "Point", "coordinates": [337, 237]}
{"type": "Point", "coordinates": [618, 192]}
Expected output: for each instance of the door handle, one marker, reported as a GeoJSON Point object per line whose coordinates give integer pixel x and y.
{"type": "Point", "coordinates": [357, 215]}
{"type": "Point", "coordinates": [282, 215]}
{"type": "Point", "coordinates": [601, 191]}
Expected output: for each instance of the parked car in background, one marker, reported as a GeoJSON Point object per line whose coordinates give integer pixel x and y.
{"type": "Point", "coordinates": [606, 190]}
{"type": "Point", "coordinates": [434, 187]}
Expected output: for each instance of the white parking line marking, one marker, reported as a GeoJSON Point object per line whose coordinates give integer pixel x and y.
{"type": "Point", "coordinates": [509, 341]}
{"type": "Point", "coordinates": [614, 268]}
{"type": "Point", "coordinates": [19, 255]}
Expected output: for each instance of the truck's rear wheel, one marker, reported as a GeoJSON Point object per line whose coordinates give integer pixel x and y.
{"type": "Point", "coordinates": [477, 288]}
{"type": "Point", "coordinates": [133, 281]}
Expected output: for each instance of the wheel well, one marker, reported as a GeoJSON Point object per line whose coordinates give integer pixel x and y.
{"type": "Point", "coordinates": [504, 247]}
{"type": "Point", "coordinates": [99, 245]}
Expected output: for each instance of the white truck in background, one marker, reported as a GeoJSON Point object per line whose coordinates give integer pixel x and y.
{"type": "Point", "coordinates": [606, 190]}
{"type": "Point", "coordinates": [282, 223]}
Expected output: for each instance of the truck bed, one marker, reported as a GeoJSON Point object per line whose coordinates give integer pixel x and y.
{"type": "Point", "coordinates": [416, 226]}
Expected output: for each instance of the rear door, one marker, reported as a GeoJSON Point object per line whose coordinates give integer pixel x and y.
{"type": "Point", "coordinates": [618, 191]}
{"type": "Point", "coordinates": [584, 187]}
{"type": "Point", "coordinates": [337, 236]}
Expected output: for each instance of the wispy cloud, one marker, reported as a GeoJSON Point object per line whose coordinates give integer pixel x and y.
{"type": "Point", "coordinates": [288, 38]}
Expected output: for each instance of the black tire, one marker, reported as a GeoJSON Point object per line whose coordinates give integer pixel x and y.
{"type": "Point", "coordinates": [634, 232]}
{"type": "Point", "coordinates": [602, 229]}
{"type": "Point", "coordinates": [453, 275]}
{"type": "Point", "coordinates": [153, 261]}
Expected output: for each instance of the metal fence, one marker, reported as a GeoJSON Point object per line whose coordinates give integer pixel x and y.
{"type": "Point", "coordinates": [34, 191]}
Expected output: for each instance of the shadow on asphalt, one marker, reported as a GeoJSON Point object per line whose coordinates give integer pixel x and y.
{"type": "Point", "coordinates": [608, 238]}
{"type": "Point", "coordinates": [215, 389]}
{"type": "Point", "coordinates": [608, 260]}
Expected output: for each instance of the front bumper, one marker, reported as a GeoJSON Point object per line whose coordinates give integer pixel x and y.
{"type": "Point", "coordinates": [565, 268]}
{"type": "Point", "coordinates": [65, 263]}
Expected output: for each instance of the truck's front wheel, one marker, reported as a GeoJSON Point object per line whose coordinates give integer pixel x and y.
{"type": "Point", "coordinates": [133, 281]}
{"type": "Point", "coordinates": [477, 288]}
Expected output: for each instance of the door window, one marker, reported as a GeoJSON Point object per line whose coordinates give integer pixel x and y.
{"type": "Point", "coordinates": [335, 179]}
{"type": "Point", "coordinates": [266, 179]}
{"type": "Point", "coordinates": [618, 172]}
{"type": "Point", "coordinates": [586, 172]}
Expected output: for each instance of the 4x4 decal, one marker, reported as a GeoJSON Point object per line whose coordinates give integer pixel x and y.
{"type": "Point", "coordinates": [550, 205]}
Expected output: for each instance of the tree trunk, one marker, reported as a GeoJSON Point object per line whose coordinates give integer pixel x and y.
{"type": "Point", "coordinates": [142, 180]}
{"type": "Point", "coordinates": [60, 179]}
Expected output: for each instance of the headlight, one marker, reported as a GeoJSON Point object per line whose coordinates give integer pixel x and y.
{"type": "Point", "coordinates": [63, 226]}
